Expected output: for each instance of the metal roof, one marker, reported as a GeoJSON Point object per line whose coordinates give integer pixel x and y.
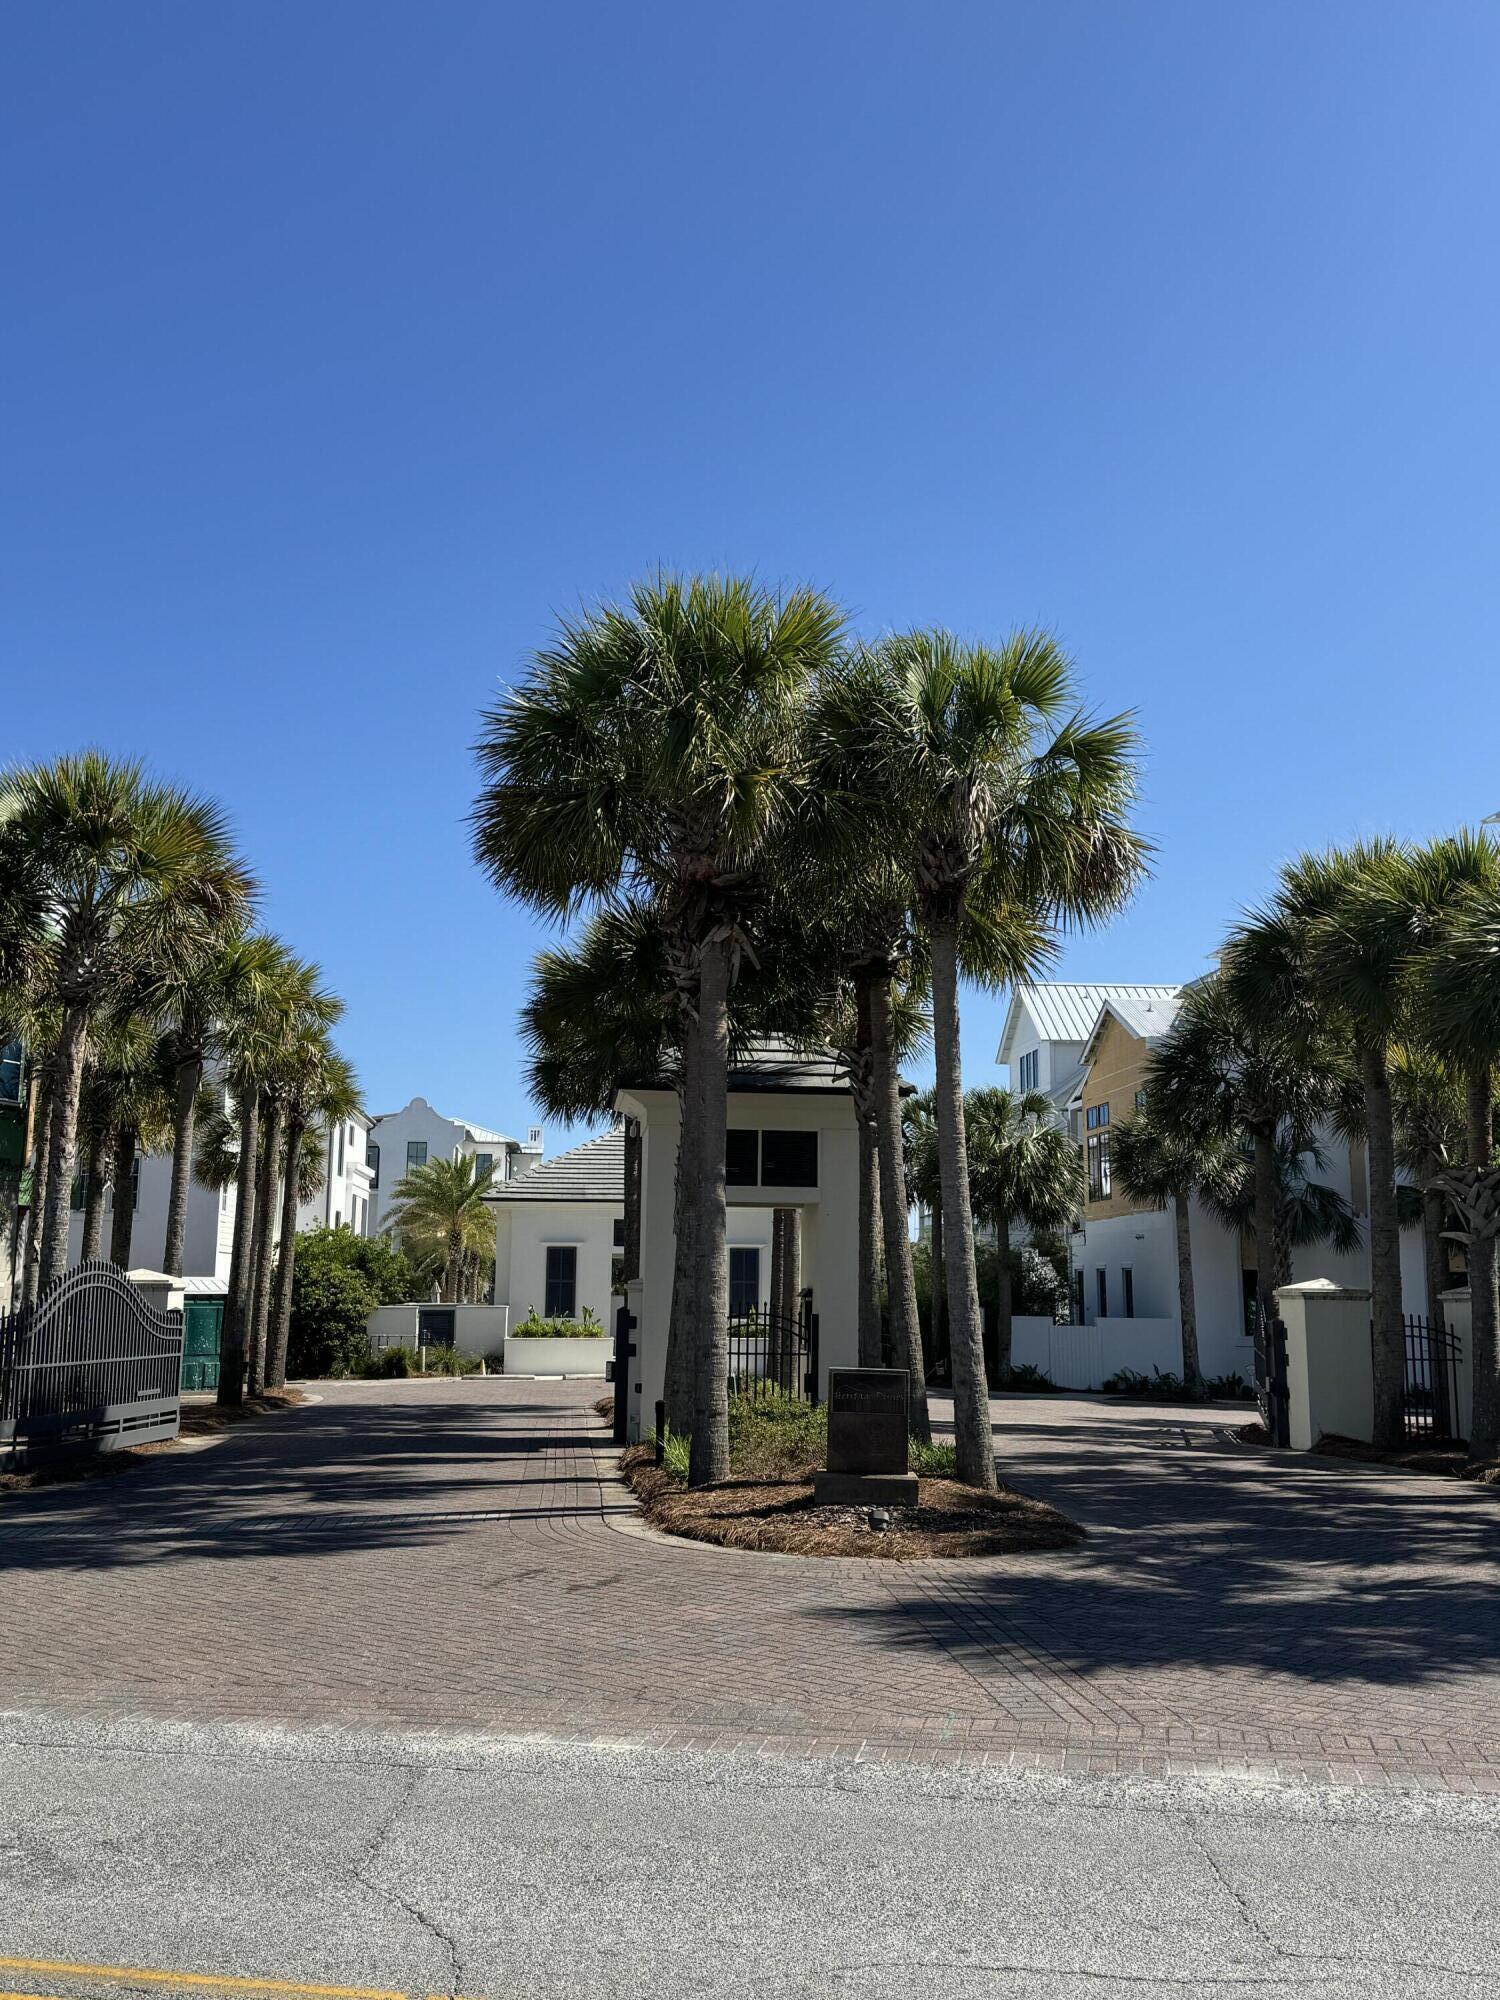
{"type": "Point", "coordinates": [1065, 1011]}
{"type": "Point", "coordinates": [1147, 1019]}
{"type": "Point", "coordinates": [594, 1171]}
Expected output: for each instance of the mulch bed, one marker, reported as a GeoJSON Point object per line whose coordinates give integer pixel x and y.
{"type": "Point", "coordinates": [1446, 1459]}
{"type": "Point", "coordinates": [198, 1420]}
{"type": "Point", "coordinates": [777, 1516]}
{"type": "Point", "coordinates": [605, 1407]}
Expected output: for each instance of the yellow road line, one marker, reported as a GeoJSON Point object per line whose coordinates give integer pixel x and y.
{"type": "Point", "coordinates": [140, 1975]}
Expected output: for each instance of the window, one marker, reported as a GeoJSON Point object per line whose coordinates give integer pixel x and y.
{"type": "Point", "coordinates": [744, 1281]}
{"type": "Point", "coordinates": [1096, 1117]}
{"type": "Point", "coordinates": [1078, 1319]}
{"type": "Point", "coordinates": [742, 1157]}
{"type": "Point", "coordinates": [1098, 1166]}
{"type": "Point", "coordinates": [1029, 1070]}
{"type": "Point", "coordinates": [483, 1164]}
{"type": "Point", "coordinates": [340, 1167]}
{"type": "Point", "coordinates": [562, 1281]}
{"type": "Point", "coordinates": [1140, 1100]}
{"type": "Point", "coordinates": [1102, 1282]}
{"type": "Point", "coordinates": [416, 1153]}
{"type": "Point", "coordinates": [372, 1161]}
{"type": "Point", "coordinates": [789, 1159]}
{"type": "Point", "coordinates": [1128, 1279]}
{"type": "Point", "coordinates": [11, 1073]}
{"type": "Point", "coordinates": [338, 1218]}
{"type": "Point", "coordinates": [619, 1235]}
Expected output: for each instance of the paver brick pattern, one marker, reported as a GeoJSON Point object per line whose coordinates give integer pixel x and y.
{"type": "Point", "coordinates": [460, 1555]}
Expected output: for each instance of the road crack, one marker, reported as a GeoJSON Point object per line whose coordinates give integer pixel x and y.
{"type": "Point", "coordinates": [363, 1868]}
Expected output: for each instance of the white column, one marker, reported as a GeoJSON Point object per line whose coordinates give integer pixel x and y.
{"type": "Point", "coordinates": [1329, 1364]}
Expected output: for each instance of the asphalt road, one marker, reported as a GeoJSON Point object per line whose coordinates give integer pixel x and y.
{"type": "Point", "coordinates": [430, 1865]}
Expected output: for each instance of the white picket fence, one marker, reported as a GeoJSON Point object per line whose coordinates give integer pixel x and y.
{"type": "Point", "coordinates": [1084, 1357]}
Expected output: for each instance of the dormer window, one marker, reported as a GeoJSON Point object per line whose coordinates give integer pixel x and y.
{"type": "Point", "coordinates": [1029, 1070]}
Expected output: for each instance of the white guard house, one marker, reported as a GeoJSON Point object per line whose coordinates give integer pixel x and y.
{"type": "Point", "coordinates": [792, 1143]}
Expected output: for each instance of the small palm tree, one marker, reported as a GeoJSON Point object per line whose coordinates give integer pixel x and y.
{"type": "Point", "coordinates": [318, 1088]}
{"type": "Point", "coordinates": [1427, 1095]}
{"type": "Point", "coordinates": [1022, 1168]}
{"type": "Point", "coordinates": [124, 1109]}
{"type": "Point", "coordinates": [443, 1203]}
{"type": "Point", "coordinates": [126, 870]}
{"type": "Point", "coordinates": [1165, 1167]}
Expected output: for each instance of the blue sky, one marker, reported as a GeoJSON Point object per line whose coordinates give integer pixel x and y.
{"type": "Point", "coordinates": [344, 345]}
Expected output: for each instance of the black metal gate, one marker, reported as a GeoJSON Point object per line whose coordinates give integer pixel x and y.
{"type": "Point", "coordinates": [89, 1364]}
{"type": "Point", "coordinates": [1271, 1389]}
{"type": "Point", "coordinates": [770, 1354]}
{"type": "Point", "coordinates": [1429, 1393]}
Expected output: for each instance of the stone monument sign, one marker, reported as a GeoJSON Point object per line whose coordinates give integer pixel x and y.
{"type": "Point", "coordinates": [867, 1439]}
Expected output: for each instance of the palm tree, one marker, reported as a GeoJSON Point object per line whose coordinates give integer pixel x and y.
{"type": "Point", "coordinates": [442, 1203]}
{"type": "Point", "coordinates": [123, 1109]}
{"type": "Point", "coordinates": [1428, 1099]}
{"type": "Point", "coordinates": [1021, 1168]}
{"type": "Point", "coordinates": [1001, 833]}
{"type": "Point", "coordinates": [651, 754]}
{"type": "Point", "coordinates": [1219, 1074]}
{"type": "Point", "coordinates": [924, 1189]}
{"type": "Point", "coordinates": [1166, 1166]}
{"type": "Point", "coordinates": [319, 1087]}
{"type": "Point", "coordinates": [128, 869]}
{"type": "Point", "coordinates": [200, 993]}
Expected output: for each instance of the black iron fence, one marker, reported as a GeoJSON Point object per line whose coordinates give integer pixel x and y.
{"type": "Point", "coordinates": [1272, 1391]}
{"type": "Point", "coordinates": [771, 1354]}
{"type": "Point", "coordinates": [1430, 1389]}
{"type": "Point", "coordinates": [90, 1364]}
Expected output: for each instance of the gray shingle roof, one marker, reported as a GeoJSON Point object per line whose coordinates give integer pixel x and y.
{"type": "Point", "coordinates": [594, 1171]}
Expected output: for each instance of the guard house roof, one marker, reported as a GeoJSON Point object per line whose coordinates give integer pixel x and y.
{"type": "Point", "coordinates": [594, 1171]}
{"type": "Point", "coordinates": [772, 1065]}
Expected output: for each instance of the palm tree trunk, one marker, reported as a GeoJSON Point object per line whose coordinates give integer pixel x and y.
{"type": "Point", "coordinates": [1187, 1302]}
{"type": "Point", "coordinates": [677, 1386]}
{"type": "Point", "coordinates": [1385, 1251]}
{"type": "Point", "coordinates": [72, 1047]}
{"type": "Point", "coordinates": [32, 1278]}
{"type": "Point", "coordinates": [235, 1326]}
{"type": "Point", "coordinates": [93, 1198]}
{"type": "Point", "coordinates": [900, 1282]}
{"type": "Point", "coordinates": [122, 1213]}
{"type": "Point", "coordinates": [630, 1254]}
{"type": "Point", "coordinates": [870, 1342]}
{"type": "Point", "coordinates": [286, 1263]}
{"type": "Point", "coordinates": [265, 1246]}
{"type": "Point", "coordinates": [937, 1309]}
{"type": "Point", "coordinates": [1263, 1137]}
{"type": "Point", "coordinates": [1484, 1429]}
{"type": "Point", "coordinates": [453, 1267]}
{"type": "Point", "coordinates": [1004, 1301]}
{"type": "Point", "coordinates": [973, 1434]}
{"type": "Point", "coordinates": [1434, 1263]}
{"type": "Point", "coordinates": [189, 1077]}
{"type": "Point", "coordinates": [708, 1461]}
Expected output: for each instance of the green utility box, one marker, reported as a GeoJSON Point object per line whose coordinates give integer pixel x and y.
{"type": "Point", "coordinates": [201, 1320]}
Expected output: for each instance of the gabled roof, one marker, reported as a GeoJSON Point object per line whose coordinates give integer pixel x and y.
{"type": "Point", "coordinates": [1067, 1011]}
{"type": "Point", "coordinates": [594, 1171]}
{"type": "Point", "coordinates": [1148, 1021]}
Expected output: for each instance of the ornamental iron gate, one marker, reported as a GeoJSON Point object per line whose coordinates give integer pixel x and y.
{"type": "Point", "coordinates": [1272, 1392]}
{"type": "Point", "coordinates": [89, 1365]}
{"type": "Point", "coordinates": [772, 1354]}
{"type": "Point", "coordinates": [1429, 1390]}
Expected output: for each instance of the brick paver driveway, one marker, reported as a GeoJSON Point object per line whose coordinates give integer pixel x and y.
{"type": "Point", "coordinates": [457, 1555]}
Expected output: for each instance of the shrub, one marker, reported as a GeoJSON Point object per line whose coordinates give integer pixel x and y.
{"type": "Point", "coordinates": [534, 1327]}
{"type": "Point", "coordinates": [1162, 1386]}
{"type": "Point", "coordinates": [933, 1461]}
{"type": "Point", "coordinates": [1029, 1376]}
{"type": "Point", "coordinates": [391, 1361]}
{"type": "Point", "coordinates": [448, 1361]}
{"type": "Point", "coordinates": [330, 1309]}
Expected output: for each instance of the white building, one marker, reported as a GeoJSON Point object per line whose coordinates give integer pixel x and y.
{"type": "Point", "coordinates": [1087, 1048]}
{"type": "Point", "coordinates": [208, 1229]}
{"type": "Point", "coordinates": [400, 1140]}
{"type": "Point", "coordinates": [792, 1142]}
{"type": "Point", "coordinates": [560, 1231]}
{"type": "Point", "coordinates": [345, 1199]}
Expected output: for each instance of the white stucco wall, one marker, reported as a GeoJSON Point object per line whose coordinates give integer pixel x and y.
{"type": "Point", "coordinates": [206, 1237]}
{"type": "Point", "coordinates": [523, 1233]}
{"type": "Point", "coordinates": [445, 1139]}
{"type": "Point", "coordinates": [345, 1199]}
{"type": "Point", "coordinates": [830, 1224]}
